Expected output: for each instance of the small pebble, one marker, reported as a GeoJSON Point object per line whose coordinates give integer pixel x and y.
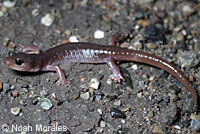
{"type": "Point", "coordinates": [195, 117]}
{"type": "Point", "coordinates": [4, 9]}
{"type": "Point", "coordinates": [21, 102]}
{"type": "Point", "coordinates": [11, 45]}
{"type": "Point", "coordinates": [53, 95]}
{"type": "Point", "coordinates": [100, 111]}
{"type": "Point", "coordinates": [154, 19]}
{"type": "Point", "coordinates": [48, 19]}
{"type": "Point", "coordinates": [178, 29]}
{"type": "Point", "coordinates": [45, 103]}
{"type": "Point", "coordinates": [188, 59]}
{"type": "Point", "coordinates": [98, 34]}
{"type": "Point", "coordinates": [20, 114]}
{"type": "Point", "coordinates": [152, 78]}
{"type": "Point", "coordinates": [35, 101]}
{"type": "Point", "coordinates": [25, 90]}
{"type": "Point", "coordinates": [137, 45]}
{"type": "Point", "coordinates": [184, 32]}
{"type": "Point", "coordinates": [116, 113]}
{"type": "Point", "coordinates": [124, 45]}
{"type": "Point", "coordinates": [35, 12]}
{"type": "Point", "coordinates": [174, 89]}
{"type": "Point", "coordinates": [151, 45]}
{"type": "Point", "coordinates": [68, 32]}
{"type": "Point", "coordinates": [157, 130]}
{"type": "Point", "coordinates": [85, 96]}
{"type": "Point", "coordinates": [139, 15]}
{"type": "Point", "coordinates": [9, 4]}
{"type": "Point", "coordinates": [159, 98]}
{"type": "Point", "coordinates": [1, 85]}
{"type": "Point", "coordinates": [12, 87]}
{"type": "Point", "coordinates": [102, 124]}
{"type": "Point", "coordinates": [23, 132]}
{"type": "Point", "coordinates": [76, 96]}
{"type": "Point", "coordinates": [109, 81]}
{"type": "Point", "coordinates": [134, 67]}
{"type": "Point", "coordinates": [118, 103]}
{"type": "Point", "coordinates": [153, 34]}
{"type": "Point", "coordinates": [173, 98]}
{"type": "Point", "coordinates": [150, 114]}
{"type": "Point", "coordinates": [123, 121]}
{"type": "Point", "coordinates": [143, 23]}
{"type": "Point", "coordinates": [15, 110]}
{"type": "Point", "coordinates": [1, 14]}
{"type": "Point", "coordinates": [14, 93]}
{"type": "Point", "coordinates": [94, 83]}
{"type": "Point", "coordinates": [126, 109]}
{"type": "Point", "coordinates": [177, 128]}
{"type": "Point", "coordinates": [91, 90]}
{"type": "Point", "coordinates": [141, 84]}
{"type": "Point", "coordinates": [24, 86]}
{"type": "Point", "coordinates": [98, 97]}
{"type": "Point", "coordinates": [73, 39]}
{"type": "Point", "coordinates": [195, 125]}
{"type": "Point", "coordinates": [92, 98]}
{"type": "Point", "coordinates": [188, 9]}
{"type": "Point", "coordinates": [180, 37]}
{"type": "Point", "coordinates": [6, 87]}
{"type": "Point", "coordinates": [43, 93]}
{"type": "Point", "coordinates": [6, 41]}
{"type": "Point", "coordinates": [139, 95]}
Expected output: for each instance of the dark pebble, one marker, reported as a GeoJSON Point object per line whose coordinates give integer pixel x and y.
{"type": "Point", "coordinates": [127, 84]}
{"type": "Point", "coordinates": [24, 86]}
{"type": "Point", "coordinates": [92, 98]}
{"type": "Point", "coordinates": [116, 113]}
{"type": "Point", "coordinates": [163, 74]}
{"type": "Point", "coordinates": [154, 19]}
{"type": "Point", "coordinates": [167, 99]}
{"type": "Point", "coordinates": [35, 101]}
{"type": "Point", "coordinates": [185, 123]}
{"type": "Point", "coordinates": [59, 102]}
{"type": "Point", "coordinates": [139, 15]}
{"type": "Point", "coordinates": [153, 34]}
{"type": "Point", "coordinates": [111, 96]}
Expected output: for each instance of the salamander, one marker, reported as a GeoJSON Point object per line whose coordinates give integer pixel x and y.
{"type": "Point", "coordinates": [90, 53]}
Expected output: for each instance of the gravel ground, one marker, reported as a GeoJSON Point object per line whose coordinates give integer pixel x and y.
{"type": "Point", "coordinates": [150, 101]}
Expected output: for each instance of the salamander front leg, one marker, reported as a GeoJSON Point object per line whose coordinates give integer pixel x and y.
{"type": "Point", "coordinates": [116, 37]}
{"type": "Point", "coordinates": [62, 80]}
{"type": "Point", "coordinates": [116, 74]}
{"type": "Point", "coordinates": [112, 39]}
{"type": "Point", "coordinates": [32, 48]}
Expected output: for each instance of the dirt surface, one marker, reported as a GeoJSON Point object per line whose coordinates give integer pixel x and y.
{"type": "Point", "coordinates": [152, 100]}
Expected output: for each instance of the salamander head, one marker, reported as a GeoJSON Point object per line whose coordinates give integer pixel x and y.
{"type": "Point", "coordinates": [22, 62]}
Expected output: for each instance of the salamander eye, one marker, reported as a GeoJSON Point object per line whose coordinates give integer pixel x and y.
{"type": "Point", "coordinates": [18, 61]}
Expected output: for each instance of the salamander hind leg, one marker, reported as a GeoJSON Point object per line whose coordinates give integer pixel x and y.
{"type": "Point", "coordinates": [32, 48]}
{"type": "Point", "coordinates": [62, 80]}
{"type": "Point", "coordinates": [116, 74]}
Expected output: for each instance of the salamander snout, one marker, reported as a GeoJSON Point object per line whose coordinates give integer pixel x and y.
{"type": "Point", "coordinates": [8, 61]}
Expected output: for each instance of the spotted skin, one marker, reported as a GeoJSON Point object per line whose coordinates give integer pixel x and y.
{"type": "Point", "coordinates": [91, 53]}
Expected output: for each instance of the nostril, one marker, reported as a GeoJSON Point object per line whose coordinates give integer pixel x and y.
{"type": "Point", "coordinates": [6, 61]}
